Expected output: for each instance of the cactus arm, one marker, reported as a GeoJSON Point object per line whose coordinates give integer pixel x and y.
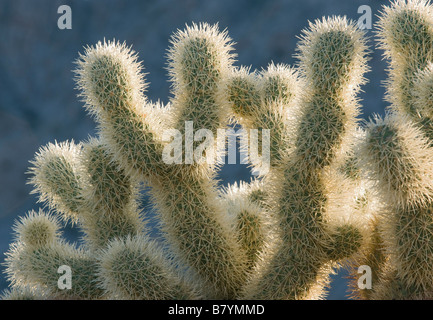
{"type": "Point", "coordinates": [332, 61]}
{"type": "Point", "coordinates": [136, 268]}
{"type": "Point", "coordinates": [397, 153]}
{"type": "Point", "coordinates": [34, 259]}
{"type": "Point", "coordinates": [56, 178]}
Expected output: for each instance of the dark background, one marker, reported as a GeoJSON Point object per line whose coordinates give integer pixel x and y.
{"type": "Point", "coordinates": [38, 99]}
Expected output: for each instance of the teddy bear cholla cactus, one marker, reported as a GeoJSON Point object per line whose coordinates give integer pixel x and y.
{"type": "Point", "coordinates": [397, 153]}
{"type": "Point", "coordinates": [274, 239]}
{"type": "Point", "coordinates": [313, 123]}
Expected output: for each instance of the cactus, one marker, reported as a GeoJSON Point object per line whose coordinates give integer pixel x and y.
{"type": "Point", "coordinates": [313, 121]}
{"type": "Point", "coordinates": [396, 154]}
{"type": "Point", "coordinates": [277, 237]}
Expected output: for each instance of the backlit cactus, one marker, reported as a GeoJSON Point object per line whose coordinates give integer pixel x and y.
{"type": "Point", "coordinates": [96, 183]}
{"type": "Point", "coordinates": [309, 211]}
{"type": "Point", "coordinates": [312, 117]}
{"type": "Point", "coordinates": [397, 154]}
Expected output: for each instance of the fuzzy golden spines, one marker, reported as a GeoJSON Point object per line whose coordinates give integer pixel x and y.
{"type": "Point", "coordinates": [274, 239]}
{"type": "Point", "coordinates": [333, 60]}
{"type": "Point", "coordinates": [405, 33]}
{"type": "Point", "coordinates": [85, 186]}
{"type": "Point", "coordinates": [110, 78]}
{"type": "Point", "coordinates": [210, 248]}
{"type": "Point", "coordinates": [37, 229]}
{"type": "Point", "coordinates": [332, 55]}
{"type": "Point", "coordinates": [200, 58]}
{"type": "Point", "coordinates": [423, 92]}
{"type": "Point", "coordinates": [199, 61]}
{"type": "Point", "coordinates": [112, 85]}
{"type": "Point", "coordinates": [253, 225]}
{"type": "Point", "coordinates": [38, 253]}
{"type": "Point", "coordinates": [55, 176]}
{"type": "Point", "coordinates": [23, 293]}
{"type": "Point", "coordinates": [304, 195]}
{"type": "Point", "coordinates": [265, 101]}
{"type": "Point", "coordinates": [396, 153]}
{"type": "Point", "coordinates": [399, 156]}
{"type": "Point", "coordinates": [137, 268]}
{"type": "Point", "coordinates": [110, 199]}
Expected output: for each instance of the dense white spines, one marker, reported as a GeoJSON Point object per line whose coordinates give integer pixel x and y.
{"type": "Point", "coordinates": [112, 85]}
{"type": "Point", "coordinates": [405, 32]}
{"type": "Point", "coordinates": [266, 100]}
{"type": "Point", "coordinates": [200, 58]}
{"type": "Point", "coordinates": [109, 77]}
{"type": "Point", "coordinates": [308, 195]}
{"type": "Point", "coordinates": [110, 198]}
{"type": "Point", "coordinates": [400, 158]}
{"type": "Point", "coordinates": [24, 293]}
{"type": "Point", "coordinates": [56, 178]}
{"type": "Point", "coordinates": [37, 229]}
{"type": "Point", "coordinates": [423, 92]}
{"type": "Point", "coordinates": [136, 268]}
{"type": "Point", "coordinates": [332, 55]}
{"type": "Point", "coordinates": [275, 238]}
{"type": "Point", "coordinates": [253, 224]}
{"type": "Point", "coordinates": [397, 155]}
{"type": "Point", "coordinates": [35, 258]}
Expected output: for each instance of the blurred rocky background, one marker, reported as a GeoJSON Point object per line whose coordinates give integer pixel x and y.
{"type": "Point", "coordinates": [38, 99]}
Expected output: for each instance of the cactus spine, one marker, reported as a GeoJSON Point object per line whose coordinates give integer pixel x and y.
{"type": "Point", "coordinates": [278, 237]}
{"type": "Point", "coordinates": [311, 134]}
{"type": "Point", "coordinates": [397, 154]}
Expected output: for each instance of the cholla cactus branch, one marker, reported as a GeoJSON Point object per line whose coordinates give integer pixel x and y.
{"type": "Point", "coordinates": [277, 237]}
{"type": "Point", "coordinates": [311, 136]}
{"type": "Point", "coordinates": [199, 59]}
{"type": "Point", "coordinates": [397, 154]}
{"type": "Point", "coordinates": [56, 178]}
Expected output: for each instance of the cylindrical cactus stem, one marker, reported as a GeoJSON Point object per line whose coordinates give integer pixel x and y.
{"type": "Point", "coordinates": [305, 194]}
{"type": "Point", "coordinates": [200, 59]}
{"type": "Point", "coordinates": [112, 85]}
{"type": "Point", "coordinates": [39, 255]}
{"type": "Point", "coordinates": [400, 158]}
{"type": "Point", "coordinates": [135, 268]}
{"type": "Point", "coordinates": [86, 185]}
{"type": "Point", "coordinates": [244, 203]}
{"type": "Point", "coordinates": [202, 233]}
{"type": "Point", "coordinates": [397, 153]}
{"type": "Point", "coordinates": [406, 36]}
{"type": "Point", "coordinates": [333, 60]}
{"type": "Point", "coordinates": [243, 94]}
{"type": "Point", "coordinates": [56, 178]}
{"type": "Point", "coordinates": [423, 99]}
{"type": "Point", "coordinates": [193, 219]}
{"type": "Point", "coordinates": [110, 208]}
{"type": "Point", "coordinates": [374, 256]}
{"type": "Point", "coordinates": [423, 92]}
{"type": "Point", "coordinates": [265, 101]}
